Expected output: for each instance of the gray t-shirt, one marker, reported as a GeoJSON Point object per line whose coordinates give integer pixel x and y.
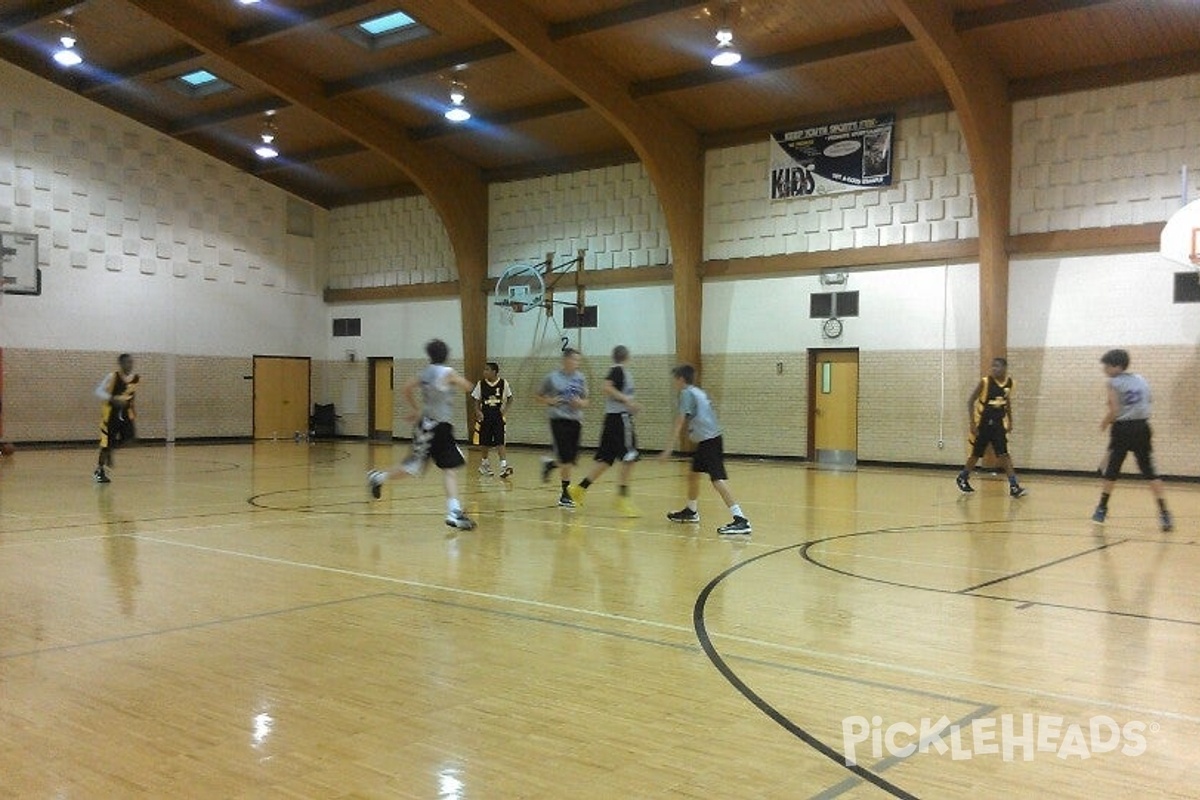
{"type": "Point", "coordinates": [622, 380]}
{"type": "Point", "coordinates": [1133, 393]}
{"type": "Point", "coordinates": [702, 419]}
{"type": "Point", "coordinates": [437, 393]}
{"type": "Point", "coordinates": [565, 387]}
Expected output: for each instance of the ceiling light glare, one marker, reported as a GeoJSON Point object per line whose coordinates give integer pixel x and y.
{"type": "Point", "coordinates": [457, 111]}
{"type": "Point", "coordinates": [726, 55]}
{"type": "Point", "coordinates": [67, 56]}
{"type": "Point", "coordinates": [266, 150]}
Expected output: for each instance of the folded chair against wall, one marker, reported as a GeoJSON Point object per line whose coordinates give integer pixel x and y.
{"type": "Point", "coordinates": [323, 422]}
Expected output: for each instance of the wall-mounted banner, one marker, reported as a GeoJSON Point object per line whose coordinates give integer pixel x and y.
{"type": "Point", "coordinates": [842, 157]}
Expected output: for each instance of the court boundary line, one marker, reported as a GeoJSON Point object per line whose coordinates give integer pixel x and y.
{"type": "Point", "coordinates": [700, 627]}
{"type": "Point", "coordinates": [807, 556]}
{"type": "Point", "coordinates": [767, 645]}
{"type": "Point", "coordinates": [1037, 567]}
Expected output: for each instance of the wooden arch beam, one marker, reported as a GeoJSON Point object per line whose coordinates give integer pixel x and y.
{"type": "Point", "coordinates": [669, 150]}
{"type": "Point", "coordinates": [979, 93]}
{"type": "Point", "coordinates": [455, 188]}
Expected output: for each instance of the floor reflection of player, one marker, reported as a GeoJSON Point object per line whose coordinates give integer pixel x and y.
{"type": "Point", "coordinates": [120, 553]}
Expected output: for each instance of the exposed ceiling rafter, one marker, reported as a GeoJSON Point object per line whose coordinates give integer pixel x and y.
{"type": "Point", "coordinates": [423, 66]}
{"type": "Point", "coordinates": [247, 109]}
{"type": "Point", "coordinates": [270, 29]}
{"type": "Point", "coordinates": [175, 57]}
{"type": "Point", "coordinates": [612, 18]}
{"type": "Point", "coordinates": [38, 12]}
{"type": "Point", "coordinates": [1018, 11]}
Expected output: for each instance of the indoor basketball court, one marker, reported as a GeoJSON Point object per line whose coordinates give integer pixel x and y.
{"type": "Point", "coordinates": [579, 653]}
{"type": "Point", "coordinates": [920, 274]}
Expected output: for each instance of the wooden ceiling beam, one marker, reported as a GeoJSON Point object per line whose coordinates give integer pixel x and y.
{"type": "Point", "coordinates": [979, 92]}
{"type": "Point", "coordinates": [422, 66]}
{"type": "Point", "coordinates": [454, 187]}
{"type": "Point", "coordinates": [668, 149]}
{"type": "Point", "coordinates": [557, 166]}
{"type": "Point", "coordinates": [293, 160]}
{"type": "Point", "coordinates": [110, 79]}
{"type": "Point", "coordinates": [248, 109]}
{"type": "Point", "coordinates": [614, 17]}
{"type": "Point", "coordinates": [1018, 11]}
{"type": "Point", "coordinates": [1078, 80]}
{"type": "Point", "coordinates": [511, 116]}
{"type": "Point", "coordinates": [38, 12]}
{"type": "Point", "coordinates": [272, 28]}
{"type": "Point", "coordinates": [789, 59]}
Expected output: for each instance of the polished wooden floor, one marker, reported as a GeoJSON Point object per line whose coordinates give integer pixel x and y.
{"type": "Point", "coordinates": [239, 621]}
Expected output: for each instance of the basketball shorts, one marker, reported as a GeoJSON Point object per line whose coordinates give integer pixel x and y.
{"type": "Point", "coordinates": [709, 458]}
{"type": "Point", "coordinates": [489, 431]}
{"type": "Point", "coordinates": [990, 433]}
{"type": "Point", "coordinates": [1130, 436]}
{"type": "Point", "coordinates": [565, 435]}
{"type": "Point", "coordinates": [433, 440]}
{"type": "Point", "coordinates": [116, 428]}
{"type": "Point", "coordinates": [618, 440]}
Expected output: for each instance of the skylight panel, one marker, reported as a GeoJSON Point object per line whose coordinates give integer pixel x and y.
{"type": "Point", "coordinates": [388, 23]}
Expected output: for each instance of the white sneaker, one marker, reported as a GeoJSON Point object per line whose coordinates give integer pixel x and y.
{"type": "Point", "coordinates": [460, 520]}
{"type": "Point", "coordinates": [375, 479]}
{"type": "Point", "coordinates": [485, 468]}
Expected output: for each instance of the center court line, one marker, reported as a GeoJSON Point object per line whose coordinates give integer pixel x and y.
{"type": "Point", "coordinates": [857, 660]}
{"type": "Point", "coordinates": [1037, 567]}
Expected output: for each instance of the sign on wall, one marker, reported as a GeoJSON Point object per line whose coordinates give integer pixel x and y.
{"type": "Point", "coordinates": [826, 159]}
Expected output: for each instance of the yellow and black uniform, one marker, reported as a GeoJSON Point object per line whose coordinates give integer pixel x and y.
{"type": "Point", "coordinates": [116, 420]}
{"type": "Point", "coordinates": [991, 416]}
{"type": "Point", "coordinates": [491, 395]}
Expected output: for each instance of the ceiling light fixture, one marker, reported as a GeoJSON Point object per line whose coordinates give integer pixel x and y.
{"type": "Point", "coordinates": [67, 55]}
{"type": "Point", "coordinates": [726, 55]}
{"type": "Point", "coordinates": [457, 111]}
{"type": "Point", "coordinates": [247, 2]}
{"type": "Point", "coordinates": [268, 149]}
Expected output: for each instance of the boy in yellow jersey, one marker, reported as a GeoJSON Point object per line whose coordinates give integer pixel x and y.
{"type": "Point", "coordinates": [990, 413]}
{"type": "Point", "coordinates": [117, 413]}
{"type": "Point", "coordinates": [492, 397]}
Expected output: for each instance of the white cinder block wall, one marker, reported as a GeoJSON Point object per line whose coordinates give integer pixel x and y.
{"type": "Point", "coordinates": [931, 200]}
{"type": "Point", "coordinates": [200, 249]}
{"type": "Point", "coordinates": [389, 243]}
{"type": "Point", "coordinates": [148, 246]}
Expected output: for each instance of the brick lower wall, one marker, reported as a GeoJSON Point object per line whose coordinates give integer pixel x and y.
{"type": "Point", "coordinates": [1059, 401]}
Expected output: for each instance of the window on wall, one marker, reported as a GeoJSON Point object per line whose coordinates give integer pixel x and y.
{"type": "Point", "coordinates": [822, 305]}
{"type": "Point", "coordinates": [1187, 287]}
{"type": "Point", "coordinates": [347, 326]}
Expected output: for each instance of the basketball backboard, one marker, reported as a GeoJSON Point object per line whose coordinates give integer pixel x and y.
{"type": "Point", "coordinates": [1180, 239]}
{"type": "Point", "coordinates": [19, 273]}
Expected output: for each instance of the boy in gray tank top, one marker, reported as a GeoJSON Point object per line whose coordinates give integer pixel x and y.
{"type": "Point", "coordinates": [1129, 416]}
{"type": "Point", "coordinates": [618, 441]}
{"type": "Point", "coordinates": [564, 392]}
{"type": "Point", "coordinates": [433, 431]}
{"type": "Point", "coordinates": [696, 414]}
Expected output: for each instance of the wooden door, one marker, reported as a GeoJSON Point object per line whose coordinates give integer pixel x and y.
{"type": "Point", "coordinates": [382, 399]}
{"type": "Point", "coordinates": [833, 410]}
{"type": "Point", "coordinates": [281, 396]}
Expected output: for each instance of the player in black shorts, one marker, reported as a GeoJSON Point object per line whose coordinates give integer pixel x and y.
{"type": "Point", "coordinates": [1129, 416]}
{"type": "Point", "coordinates": [492, 397]}
{"type": "Point", "coordinates": [117, 413]}
{"type": "Point", "coordinates": [990, 414]}
{"type": "Point", "coordinates": [618, 440]}
{"type": "Point", "coordinates": [697, 416]}
{"type": "Point", "coordinates": [564, 392]}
